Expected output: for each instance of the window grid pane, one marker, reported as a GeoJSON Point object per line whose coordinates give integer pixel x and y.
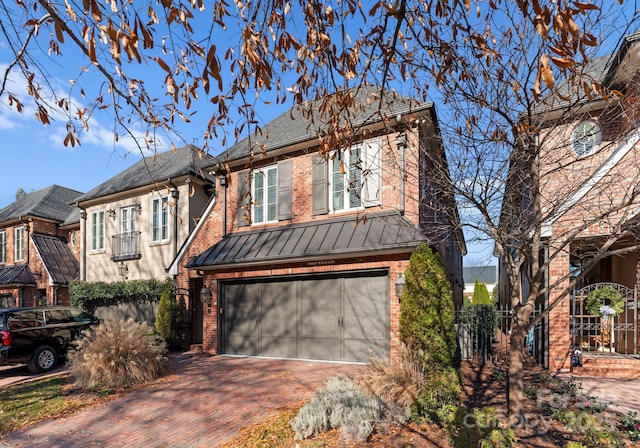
{"type": "Point", "coordinates": [154, 220]}
{"type": "Point", "coordinates": [3, 247]}
{"type": "Point", "coordinates": [272, 194]}
{"type": "Point", "coordinates": [165, 219]}
{"type": "Point", "coordinates": [338, 185]}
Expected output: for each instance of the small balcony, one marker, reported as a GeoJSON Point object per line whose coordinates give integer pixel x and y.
{"type": "Point", "coordinates": [125, 246]}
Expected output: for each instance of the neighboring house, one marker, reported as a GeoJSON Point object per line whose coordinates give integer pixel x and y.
{"type": "Point", "coordinates": [590, 160]}
{"type": "Point", "coordinates": [37, 259]}
{"type": "Point", "coordinates": [133, 224]}
{"type": "Point", "coordinates": [300, 255]}
{"type": "Point", "coordinates": [484, 274]}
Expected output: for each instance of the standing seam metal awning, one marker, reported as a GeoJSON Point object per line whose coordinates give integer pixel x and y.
{"type": "Point", "coordinates": [332, 237]}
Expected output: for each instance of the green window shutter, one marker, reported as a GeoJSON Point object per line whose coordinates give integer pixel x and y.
{"type": "Point", "coordinates": [244, 198]}
{"type": "Point", "coordinates": [284, 190]}
{"type": "Point", "coordinates": [320, 186]}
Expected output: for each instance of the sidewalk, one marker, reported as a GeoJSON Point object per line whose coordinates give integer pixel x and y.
{"type": "Point", "coordinates": [205, 403]}
{"type": "Point", "coordinates": [624, 394]}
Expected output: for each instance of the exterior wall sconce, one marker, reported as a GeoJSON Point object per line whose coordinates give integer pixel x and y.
{"type": "Point", "coordinates": [399, 286]}
{"type": "Point", "coordinates": [401, 139]}
{"type": "Point", "coordinates": [138, 207]}
{"type": "Point", "coordinates": [205, 295]}
{"type": "Point", "coordinates": [123, 270]}
{"type": "Point", "coordinates": [112, 213]}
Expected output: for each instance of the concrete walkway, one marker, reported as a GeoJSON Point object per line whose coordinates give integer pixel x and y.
{"type": "Point", "coordinates": [624, 395]}
{"type": "Point", "coordinates": [203, 404]}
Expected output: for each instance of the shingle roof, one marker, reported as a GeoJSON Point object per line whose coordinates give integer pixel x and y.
{"type": "Point", "coordinates": [16, 275]}
{"type": "Point", "coordinates": [337, 238]}
{"type": "Point", "coordinates": [50, 203]}
{"type": "Point", "coordinates": [59, 260]}
{"type": "Point", "coordinates": [565, 95]}
{"type": "Point", "coordinates": [292, 127]}
{"type": "Point", "coordinates": [484, 274]}
{"type": "Point", "coordinates": [184, 161]}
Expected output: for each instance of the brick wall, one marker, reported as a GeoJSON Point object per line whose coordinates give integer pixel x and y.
{"type": "Point", "coordinates": [211, 230]}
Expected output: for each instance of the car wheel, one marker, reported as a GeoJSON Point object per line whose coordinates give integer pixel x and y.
{"type": "Point", "coordinates": [44, 359]}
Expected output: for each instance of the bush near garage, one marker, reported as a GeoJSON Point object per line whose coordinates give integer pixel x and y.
{"type": "Point", "coordinates": [117, 354]}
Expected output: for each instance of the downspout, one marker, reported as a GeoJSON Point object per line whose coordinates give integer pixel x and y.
{"type": "Point", "coordinates": [175, 194]}
{"type": "Point", "coordinates": [83, 243]}
{"type": "Point", "coordinates": [401, 141]}
{"type": "Point", "coordinates": [223, 183]}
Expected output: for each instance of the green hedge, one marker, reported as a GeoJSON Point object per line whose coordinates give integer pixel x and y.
{"type": "Point", "coordinates": [92, 295]}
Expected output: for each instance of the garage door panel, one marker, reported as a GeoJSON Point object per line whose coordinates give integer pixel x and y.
{"type": "Point", "coordinates": [320, 309]}
{"type": "Point", "coordinates": [279, 347]}
{"type": "Point", "coordinates": [366, 308]}
{"type": "Point", "coordinates": [325, 349]}
{"type": "Point", "coordinates": [242, 345]}
{"type": "Point", "coordinates": [242, 316]}
{"type": "Point", "coordinates": [279, 309]}
{"type": "Point", "coordinates": [364, 349]}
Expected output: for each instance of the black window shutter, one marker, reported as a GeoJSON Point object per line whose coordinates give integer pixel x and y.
{"type": "Point", "coordinates": [284, 190]}
{"type": "Point", "coordinates": [243, 198]}
{"type": "Point", "coordinates": [320, 186]}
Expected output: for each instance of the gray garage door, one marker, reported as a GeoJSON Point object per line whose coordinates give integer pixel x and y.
{"type": "Point", "coordinates": [333, 318]}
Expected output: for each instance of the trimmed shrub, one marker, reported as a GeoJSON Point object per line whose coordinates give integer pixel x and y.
{"type": "Point", "coordinates": [481, 294]}
{"type": "Point", "coordinates": [92, 295]}
{"type": "Point", "coordinates": [117, 354]}
{"type": "Point", "coordinates": [341, 404]}
{"type": "Point", "coordinates": [168, 316]}
{"type": "Point", "coordinates": [426, 310]}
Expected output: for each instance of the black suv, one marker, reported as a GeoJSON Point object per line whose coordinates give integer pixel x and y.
{"type": "Point", "coordinates": [39, 336]}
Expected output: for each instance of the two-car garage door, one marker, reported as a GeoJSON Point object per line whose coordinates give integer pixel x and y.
{"type": "Point", "coordinates": [340, 317]}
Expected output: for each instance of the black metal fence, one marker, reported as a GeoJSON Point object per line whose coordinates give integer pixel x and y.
{"type": "Point", "coordinates": [484, 330]}
{"type": "Point", "coordinates": [598, 334]}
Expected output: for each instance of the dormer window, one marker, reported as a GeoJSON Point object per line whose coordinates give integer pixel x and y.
{"type": "Point", "coordinates": [586, 138]}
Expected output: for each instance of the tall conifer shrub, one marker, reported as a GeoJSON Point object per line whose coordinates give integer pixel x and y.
{"type": "Point", "coordinates": [427, 311]}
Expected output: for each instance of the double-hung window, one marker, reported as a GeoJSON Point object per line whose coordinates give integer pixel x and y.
{"type": "Point", "coordinates": [346, 179]}
{"type": "Point", "coordinates": [3, 246]}
{"type": "Point", "coordinates": [264, 195]}
{"type": "Point", "coordinates": [97, 230]}
{"type": "Point", "coordinates": [159, 220]}
{"type": "Point", "coordinates": [19, 244]}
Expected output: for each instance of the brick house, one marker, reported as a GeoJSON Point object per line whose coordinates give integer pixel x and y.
{"type": "Point", "coordinates": [38, 248]}
{"type": "Point", "coordinates": [589, 167]}
{"type": "Point", "coordinates": [132, 225]}
{"type": "Point", "coordinates": [300, 255]}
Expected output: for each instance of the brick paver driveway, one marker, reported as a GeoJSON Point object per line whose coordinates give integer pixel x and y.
{"type": "Point", "coordinates": [203, 404]}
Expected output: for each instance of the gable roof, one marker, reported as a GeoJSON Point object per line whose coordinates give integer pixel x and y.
{"type": "Point", "coordinates": [57, 257]}
{"type": "Point", "coordinates": [332, 238]}
{"type": "Point", "coordinates": [185, 161]}
{"type": "Point", "coordinates": [293, 127]}
{"type": "Point", "coordinates": [49, 203]}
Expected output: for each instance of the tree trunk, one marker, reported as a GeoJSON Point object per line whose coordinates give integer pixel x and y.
{"type": "Point", "coordinates": [515, 395]}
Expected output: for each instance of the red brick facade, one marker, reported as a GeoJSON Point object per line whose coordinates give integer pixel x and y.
{"type": "Point", "coordinates": [40, 291]}
{"type": "Point", "coordinates": [391, 199]}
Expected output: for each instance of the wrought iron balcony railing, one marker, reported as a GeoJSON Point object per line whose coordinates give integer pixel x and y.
{"type": "Point", "coordinates": [125, 246]}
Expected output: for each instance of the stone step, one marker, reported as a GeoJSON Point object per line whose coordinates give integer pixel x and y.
{"type": "Point", "coordinates": [196, 348]}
